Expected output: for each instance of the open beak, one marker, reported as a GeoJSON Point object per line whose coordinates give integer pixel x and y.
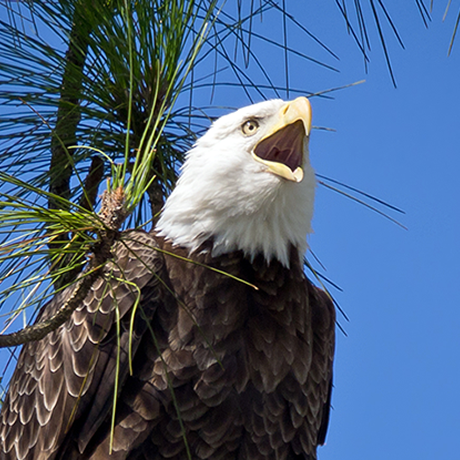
{"type": "Point", "coordinates": [281, 150]}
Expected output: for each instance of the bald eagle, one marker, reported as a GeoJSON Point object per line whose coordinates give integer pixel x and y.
{"type": "Point", "coordinates": [171, 355]}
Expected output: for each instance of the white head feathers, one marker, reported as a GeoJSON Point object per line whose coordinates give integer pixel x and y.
{"type": "Point", "coordinates": [228, 194]}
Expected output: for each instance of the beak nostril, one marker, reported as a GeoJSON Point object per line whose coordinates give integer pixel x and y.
{"type": "Point", "coordinates": [286, 108]}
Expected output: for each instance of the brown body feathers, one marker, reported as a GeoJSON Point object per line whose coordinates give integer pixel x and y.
{"type": "Point", "coordinates": [220, 370]}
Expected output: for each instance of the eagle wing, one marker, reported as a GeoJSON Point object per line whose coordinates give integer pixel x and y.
{"type": "Point", "coordinates": [319, 382]}
{"type": "Point", "coordinates": [297, 412]}
{"type": "Point", "coordinates": [53, 390]}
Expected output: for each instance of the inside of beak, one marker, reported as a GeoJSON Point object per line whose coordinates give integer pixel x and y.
{"type": "Point", "coordinates": [282, 152]}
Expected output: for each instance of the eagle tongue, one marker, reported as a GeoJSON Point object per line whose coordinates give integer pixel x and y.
{"type": "Point", "coordinates": [285, 146]}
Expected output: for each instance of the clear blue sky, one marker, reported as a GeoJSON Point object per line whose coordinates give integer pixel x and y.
{"type": "Point", "coordinates": [396, 374]}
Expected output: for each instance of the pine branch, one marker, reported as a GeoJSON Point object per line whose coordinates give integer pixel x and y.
{"type": "Point", "coordinates": [65, 133]}
{"type": "Point", "coordinates": [68, 113]}
{"type": "Point", "coordinates": [39, 330]}
{"type": "Point", "coordinates": [112, 214]}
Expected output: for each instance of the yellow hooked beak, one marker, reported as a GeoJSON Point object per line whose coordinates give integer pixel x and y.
{"type": "Point", "coordinates": [281, 149]}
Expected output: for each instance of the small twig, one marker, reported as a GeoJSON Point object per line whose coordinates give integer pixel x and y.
{"type": "Point", "coordinates": [156, 199]}
{"type": "Point", "coordinates": [92, 182]}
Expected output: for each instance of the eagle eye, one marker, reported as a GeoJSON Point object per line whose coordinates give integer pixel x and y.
{"type": "Point", "coordinates": [250, 127]}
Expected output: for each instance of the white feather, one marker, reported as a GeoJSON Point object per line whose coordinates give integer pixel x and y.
{"type": "Point", "coordinates": [226, 195]}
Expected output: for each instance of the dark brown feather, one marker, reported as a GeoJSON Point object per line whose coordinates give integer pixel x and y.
{"type": "Point", "coordinates": [238, 373]}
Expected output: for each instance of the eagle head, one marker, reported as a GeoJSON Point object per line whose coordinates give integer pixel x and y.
{"type": "Point", "coordinates": [247, 184]}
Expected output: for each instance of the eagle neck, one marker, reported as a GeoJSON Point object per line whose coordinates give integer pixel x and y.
{"type": "Point", "coordinates": [269, 225]}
